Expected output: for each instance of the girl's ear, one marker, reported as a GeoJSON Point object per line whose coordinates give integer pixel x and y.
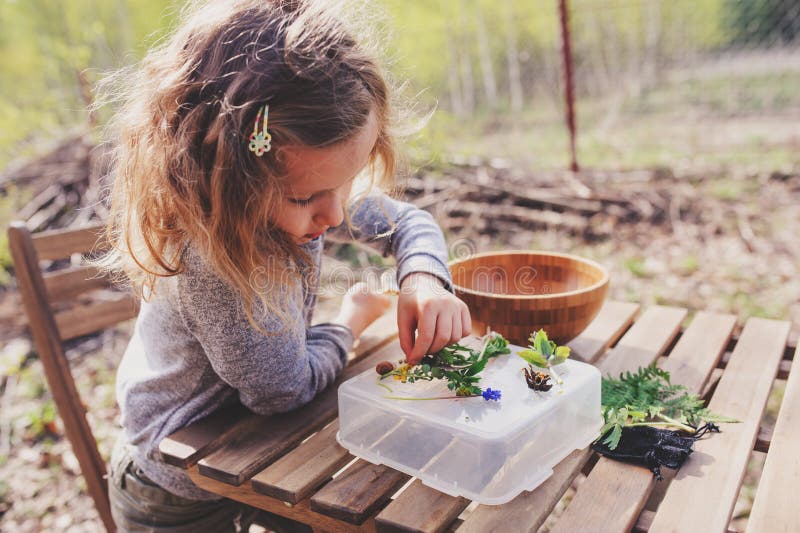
{"type": "Point", "coordinates": [279, 155]}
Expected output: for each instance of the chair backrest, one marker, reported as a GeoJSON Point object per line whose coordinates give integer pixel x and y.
{"type": "Point", "coordinates": [58, 310]}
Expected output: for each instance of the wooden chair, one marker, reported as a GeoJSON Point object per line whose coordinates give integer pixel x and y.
{"type": "Point", "coordinates": [58, 310]}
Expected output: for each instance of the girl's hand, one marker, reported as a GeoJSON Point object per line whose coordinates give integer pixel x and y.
{"type": "Point", "coordinates": [361, 307]}
{"type": "Point", "coordinates": [437, 315]}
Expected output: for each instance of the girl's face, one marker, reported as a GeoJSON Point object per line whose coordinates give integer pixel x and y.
{"type": "Point", "coordinates": [318, 183]}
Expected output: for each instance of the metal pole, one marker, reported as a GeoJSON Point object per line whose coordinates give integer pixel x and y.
{"type": "Point", "coordinates": [569, 85]}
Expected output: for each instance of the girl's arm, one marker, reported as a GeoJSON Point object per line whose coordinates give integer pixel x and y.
{"type": "Point", "coordinates": [399, 229]}
{"type": "Point", "coordinates": [429, 316]}
{"type": "Point", "coordinates": [271, 373]}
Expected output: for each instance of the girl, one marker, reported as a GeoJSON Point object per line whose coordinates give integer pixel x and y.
{"type": "Point", "coordinates": [241, 137]}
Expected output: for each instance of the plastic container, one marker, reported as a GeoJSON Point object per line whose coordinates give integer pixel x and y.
{"type": "Point", "coordinates": [487, 451]}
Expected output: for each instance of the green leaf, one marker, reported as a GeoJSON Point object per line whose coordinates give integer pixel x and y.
{"type": "Point", "coordinates": [637, 416]}
{"type": "Point", "coordinates": [707, 416]}
{"type": "Point", "coordinates": [613, 438]}
{"type": "Point", "coordinates": [648, 396]}
{"type": "Point", "coordinates": [541, 344]}
{"type": "Point", "coordinates": [563, 352]}
{"type": "Point", "coordinates": [534, 358]}
{"type": "Point", "coordinates": [476, 367]}
{"type": "Point", "coordinates": [553, 347]}
{"type": "Point", "coordinates": [607, 426]}
{"type": "Point", "coordinates": [556, 359]}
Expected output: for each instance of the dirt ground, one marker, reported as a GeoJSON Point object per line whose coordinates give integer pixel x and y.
{"type": "Point", "coordinates": [731, 244]}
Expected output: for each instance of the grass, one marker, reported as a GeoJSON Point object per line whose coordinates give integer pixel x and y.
{"type": "Point", "coordinates": [637, 267]}
{"type": "Point", "coordinates": [688, 265]}
{"type": "Point", "coordinates": [725, 95]}
{"type": "Point", "coordinates": [732, 190]}
{"type": "Point", "coordinates": [723, 121]}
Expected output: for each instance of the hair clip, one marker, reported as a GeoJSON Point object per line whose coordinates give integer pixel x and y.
{"type": "Point", "coordinates": [260, 140]}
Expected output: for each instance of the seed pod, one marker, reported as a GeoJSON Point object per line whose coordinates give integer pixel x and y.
{"type": "Point", "coordinates": [538, 381]}
{"type": "Point", "coordinates": [384, 367]}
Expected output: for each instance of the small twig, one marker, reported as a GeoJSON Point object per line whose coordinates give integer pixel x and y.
{"type": "Point", "coordinates": [5, 419]}
{"type": "Point", "coordinates": [578, 186]}
{"type": "Point", "coordinates": [433, 397]}
{"type": "Point", "coordinates": [746, 232]}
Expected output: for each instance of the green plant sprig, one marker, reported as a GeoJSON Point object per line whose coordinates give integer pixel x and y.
{"type": "Point", "coordinates": [456, 363]}
{"type": "Point", "coordinates": [648, 398]}
{"type": "Point", "coordinates": [544, 353]}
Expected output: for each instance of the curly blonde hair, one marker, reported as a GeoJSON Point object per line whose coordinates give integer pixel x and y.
{"type": "Point", "coordinates": [183, 173]}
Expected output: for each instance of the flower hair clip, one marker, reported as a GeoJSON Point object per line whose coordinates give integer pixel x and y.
{"type": "Point", "coordinates": [260, 140]}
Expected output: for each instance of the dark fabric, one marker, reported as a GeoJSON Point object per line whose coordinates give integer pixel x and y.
{"type": "Point", "coordinates": [139, 504]}
{"type": "Point", "coordinates": [652, 447]}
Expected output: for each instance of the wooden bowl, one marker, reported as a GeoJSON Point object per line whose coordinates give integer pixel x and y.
{"type": "Point", "coordinates": [518, 292]}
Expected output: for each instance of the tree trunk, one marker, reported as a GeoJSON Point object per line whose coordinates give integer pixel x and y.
{"type": "Point", "coordinates": [487, 70]}
{"type": "Point", "coordinates": [652, 43]}
{"type": "Point", "coordinates": [453, 82]}
{"type": "Point", "coordinates": [465, 60]}
{"type": "Point", "coordinates": [512, 55]}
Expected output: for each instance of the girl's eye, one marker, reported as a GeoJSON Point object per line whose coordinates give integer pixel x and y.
{"type": "Point", "coordinates": [301, 203]}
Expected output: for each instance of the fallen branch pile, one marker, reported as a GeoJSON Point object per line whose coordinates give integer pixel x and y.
{"type": "Point", "coordinates": [469, 199]}
{"type": "Point", "coordinates": [63, 186]}
{"type": "Point", "coordinates": [491, 201]}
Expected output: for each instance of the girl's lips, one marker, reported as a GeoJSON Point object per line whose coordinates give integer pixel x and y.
{"type": "Point", "coordinates": [313, 235]}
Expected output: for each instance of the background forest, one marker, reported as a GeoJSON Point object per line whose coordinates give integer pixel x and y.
{"type": "Point", "coordinates": [688, 139]}
{"type": "Point", "coordinates": [494, 67]}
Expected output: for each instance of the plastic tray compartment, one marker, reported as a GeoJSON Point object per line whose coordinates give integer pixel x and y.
{"type": "Point", "coordinates": [487, 451]}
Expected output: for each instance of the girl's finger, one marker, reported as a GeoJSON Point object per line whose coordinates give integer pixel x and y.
{"type": "Point", "coordinates": [466, 321]}
{"type": "Point", "coordinates": [444, 328]}
{"type": "Point", "coordinates": [406, 324]}
{"type": "Point", "coordinates": [426, 329]}
{"type": "Point", "coordinates": [456, 334]}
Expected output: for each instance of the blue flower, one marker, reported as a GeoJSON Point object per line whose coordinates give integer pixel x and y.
{"type": "Point", "coordinates": [490, 394]}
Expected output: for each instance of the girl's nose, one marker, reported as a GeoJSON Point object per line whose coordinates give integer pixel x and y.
{"type": "Point", "coordinates": [330, 213]}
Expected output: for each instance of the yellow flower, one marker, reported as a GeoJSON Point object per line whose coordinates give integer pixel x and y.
{"type": "Point", "coordinates": [402, 373]}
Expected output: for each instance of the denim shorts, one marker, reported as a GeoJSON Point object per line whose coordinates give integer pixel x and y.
{"type": "Point", "coordinates": [139, 504]}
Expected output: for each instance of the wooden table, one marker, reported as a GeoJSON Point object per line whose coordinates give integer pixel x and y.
{"type": "Point", "coordinates": [292, 465]}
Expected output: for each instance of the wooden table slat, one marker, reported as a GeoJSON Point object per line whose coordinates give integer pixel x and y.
{"type": "Point", "coordinates": [358, 492]}
{"type": "Point", "coordinates": [248, 453]}
{"type": "Point", "coordinates": [644, 339]}
{"type": "Point", "coordinates": [420, 508]}
{"type": "Point", "coordinates": [301, 512]}
{"type": "Point", "coordinates": [298, 473]}
{"type": "Point", "coordinates": [612, 321]}
{"type": "Point", "coordinates": [648, 338]}
{"type": "Point", "coordinates": [703, 493]}
{"type": "Point", "coordinates": [775, 506]}
{"type": "Point", "coordinates": [645, 520]}
{"type": "Point", "coordinates": [188, 445]}
{"type": "Point", "coordinates": [614, 493]}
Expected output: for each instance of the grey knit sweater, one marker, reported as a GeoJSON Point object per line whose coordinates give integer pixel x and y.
{"type": "Point", "coordinates": [193, 350]}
